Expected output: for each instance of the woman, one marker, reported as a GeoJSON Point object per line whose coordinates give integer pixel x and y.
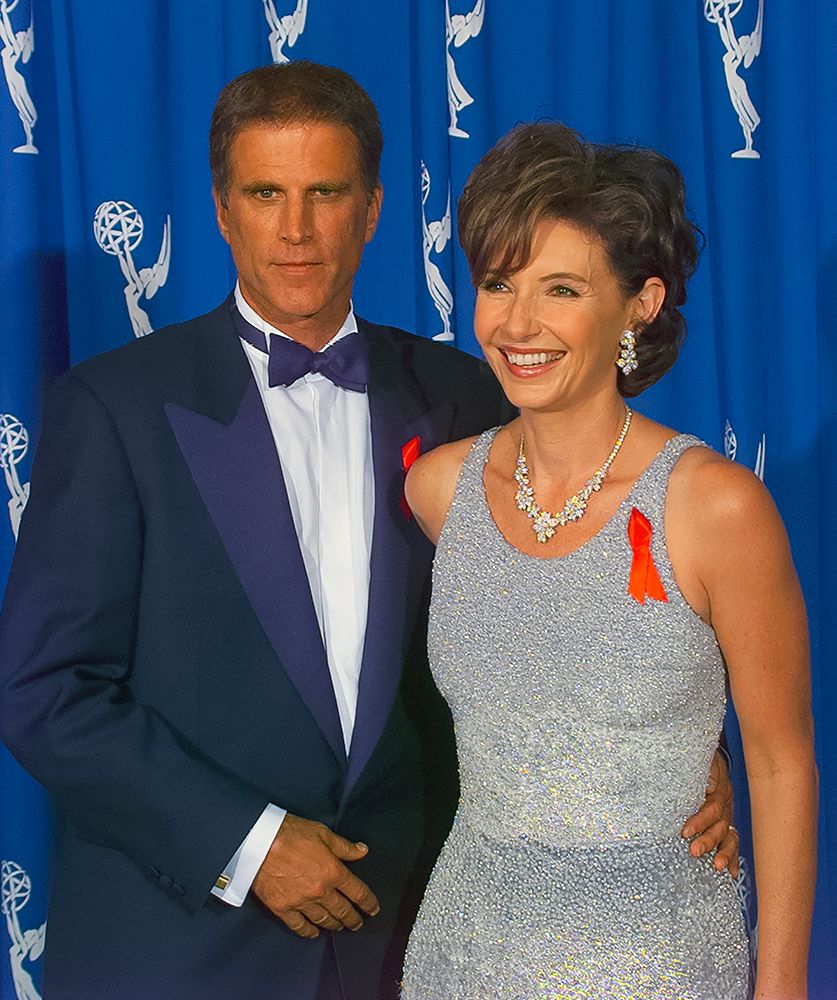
{"type": "Point", "coordinates": [583, 651]}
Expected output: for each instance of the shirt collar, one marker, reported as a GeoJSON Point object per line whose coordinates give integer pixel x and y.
{"type": "Point", "coordinates": [249, 313]}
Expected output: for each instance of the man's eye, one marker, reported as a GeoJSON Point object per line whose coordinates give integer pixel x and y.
{"type": "Point", "coordinates": [325, 192]}
{"type": "Point", "coordinates": [264, 194]}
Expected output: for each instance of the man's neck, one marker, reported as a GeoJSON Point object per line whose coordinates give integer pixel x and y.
{"type": "Point", "coordinates": [254, 317]}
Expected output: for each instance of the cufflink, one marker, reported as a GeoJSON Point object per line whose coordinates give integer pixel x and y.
{"type": "Point", "coordinates": [222, 881]}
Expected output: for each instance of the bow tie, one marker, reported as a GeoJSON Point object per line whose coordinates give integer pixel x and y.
{"type": "Point", "coordinates": [344, 363]}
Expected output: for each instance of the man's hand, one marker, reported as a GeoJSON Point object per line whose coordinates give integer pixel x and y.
{"type": "Point", "coordinates": [304, 882]}
{"type": "Point", "coordinates": [713, 821]}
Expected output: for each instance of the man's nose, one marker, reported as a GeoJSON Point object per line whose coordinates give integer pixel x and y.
{"type": "Point", "coordinates": [297, 220]}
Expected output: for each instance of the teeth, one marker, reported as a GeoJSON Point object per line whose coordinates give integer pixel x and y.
{"type": "Point", "coordinates": [529, 360]}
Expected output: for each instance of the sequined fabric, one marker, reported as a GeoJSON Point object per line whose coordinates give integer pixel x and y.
{"type": "Point", "coordinates": [585, 726]}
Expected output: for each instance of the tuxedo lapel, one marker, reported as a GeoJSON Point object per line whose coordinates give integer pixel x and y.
{"type": "Point", "coordinates": [225, 438]}
{"type": "Point", "coordinates": [400, 556]}
{"type": "Point", "coordinates": [229, 450]}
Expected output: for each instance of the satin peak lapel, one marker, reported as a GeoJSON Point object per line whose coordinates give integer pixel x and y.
{"type": "Point", "coordinates": [235, 467]}
{"type": "Point", "coordinates": [400, 556]}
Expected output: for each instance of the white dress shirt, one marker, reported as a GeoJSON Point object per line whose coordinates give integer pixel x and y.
{"type": "Point", "coordinates": [323, 438]}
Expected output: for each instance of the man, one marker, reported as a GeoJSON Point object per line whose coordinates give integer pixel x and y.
{"type": "Point", "coordinates": [213, 639]}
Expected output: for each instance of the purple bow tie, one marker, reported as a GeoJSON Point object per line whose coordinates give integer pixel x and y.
{"type": "Point", "coordinates": [344, 363]}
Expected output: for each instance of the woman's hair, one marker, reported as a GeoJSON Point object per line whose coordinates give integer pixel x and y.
{"type": "Point", "coordinates": [631, 199]}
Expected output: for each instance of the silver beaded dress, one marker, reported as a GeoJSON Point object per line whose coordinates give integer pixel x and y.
{"type": "Point", "coordinates": [585, 726]}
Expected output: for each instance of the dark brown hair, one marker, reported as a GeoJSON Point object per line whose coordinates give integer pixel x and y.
{"type": "Point", "coordinates": [291, 94]}
{"type": "Point", "coordinates": [631, 199]}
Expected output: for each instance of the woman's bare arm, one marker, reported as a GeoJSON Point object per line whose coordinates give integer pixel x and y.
{"type": "Point", "coordinates": [738, 567]}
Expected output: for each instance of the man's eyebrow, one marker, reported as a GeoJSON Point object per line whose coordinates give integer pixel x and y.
{"type": "Point", "coordinates": [261, 186]}
{"type": "Point", "coordinates": [253, 186]}
{"type": "Point", "coordinates": [331, 185]}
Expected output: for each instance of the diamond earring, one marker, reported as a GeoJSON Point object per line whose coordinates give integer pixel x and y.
{"type": "Point", "coordinates": [627, 359]}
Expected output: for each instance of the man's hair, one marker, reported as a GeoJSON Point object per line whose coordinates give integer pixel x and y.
{"type": "Point", "coordinates": [631, 199]}
{"type": "Point", "coordinates": [293, 94]}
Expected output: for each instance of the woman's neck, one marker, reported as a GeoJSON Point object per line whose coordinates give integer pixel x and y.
{"type": "Point", "coordinates": [567, 446]}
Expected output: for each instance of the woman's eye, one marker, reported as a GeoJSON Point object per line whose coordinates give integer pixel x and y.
{"type": "Point", "coordinates": [563, 291]}
{"type": "Point", "coordinates": [492, 285]}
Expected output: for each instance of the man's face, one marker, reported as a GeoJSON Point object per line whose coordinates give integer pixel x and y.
{"type": "Point", "coordinates": [297, 219]}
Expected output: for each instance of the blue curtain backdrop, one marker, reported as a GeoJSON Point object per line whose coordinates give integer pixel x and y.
{"type": "Point", "coordinates": [107, 233]}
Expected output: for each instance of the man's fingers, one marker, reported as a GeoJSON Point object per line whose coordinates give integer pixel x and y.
{"type": "Point", "coordinates": [728, 853]}
{"type": "Point", "coordinates": [304, 879]}
{"type": "Point", "coordinates": [730, 861]}
{"type": "Point", "coordinates": [709, 839]}
{"type": "Point", "coordinates": [342, 910]}
{"type": "Point", "coordinates": [333, 912]}
{"type": "Point", "coordinates": [709, 813]}
{"type": "Point", "coordinates": [320, 916]}
{"type": "Point", "coordinates": [359, 893]}
{"type": "Point", "coordinates": [346, 850]}
{"type": "Point", "coordinates": [711, 826]}
{"type": "Point", "coordinates": [296, 922]}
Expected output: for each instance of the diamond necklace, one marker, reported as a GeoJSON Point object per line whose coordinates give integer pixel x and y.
{"type": "Point", "coordinates": [544, 523]}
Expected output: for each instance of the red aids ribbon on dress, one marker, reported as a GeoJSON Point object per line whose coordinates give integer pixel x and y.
{"type": "Point", "coordinates": [645, 580]}
{"type": "Point", "coordinates": [409, 453]}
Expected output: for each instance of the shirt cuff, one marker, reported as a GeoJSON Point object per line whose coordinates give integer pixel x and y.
{"type": "Point", "coordinates": [234, 883]}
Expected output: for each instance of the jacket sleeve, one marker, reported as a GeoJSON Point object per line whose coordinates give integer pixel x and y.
{"type": "Point", "coordinates": [124, 776]}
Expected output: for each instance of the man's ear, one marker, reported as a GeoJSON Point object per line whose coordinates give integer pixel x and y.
{"type": "Point", "coordinates": [373, 212]}
{"type": "Point", "coordinates": [221, 212]}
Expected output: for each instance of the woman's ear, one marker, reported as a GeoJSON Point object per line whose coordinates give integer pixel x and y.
{"type": "Point", "coordinates": [649, 301]}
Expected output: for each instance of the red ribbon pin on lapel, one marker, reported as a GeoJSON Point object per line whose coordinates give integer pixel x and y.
{"type": "Point", "coordinates": [409, 453]}
{"type": "Point", "coordinates": [645, 580]}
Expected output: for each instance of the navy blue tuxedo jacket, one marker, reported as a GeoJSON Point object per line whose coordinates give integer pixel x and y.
{"type": "Point", "coordinates": [164, 677]}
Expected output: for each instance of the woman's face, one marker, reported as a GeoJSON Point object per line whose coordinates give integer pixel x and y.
{"type": "Point", "coordinates": [551, 331]}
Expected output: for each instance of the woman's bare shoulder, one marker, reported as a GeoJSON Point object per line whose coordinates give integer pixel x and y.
{"type": "Point", "coordinates": [714, 490]}
{"type": "Point", "coordinates": [723, 533]}
{"type": "Point", "coordinates": [431, 481]}
{"type": "Point", "coordinates": [722, 514]}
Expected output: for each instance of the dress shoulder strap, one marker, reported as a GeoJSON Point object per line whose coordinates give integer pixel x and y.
{"type": "Point", "coordinates": [649, 497]}
{"type": "Point", "coordinates": [469, 494]}
{"type": "Point", "coordinates": [649, 492]}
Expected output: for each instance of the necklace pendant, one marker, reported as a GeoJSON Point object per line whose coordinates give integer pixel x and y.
{"type": "Point", "coordinates": [544, 525]}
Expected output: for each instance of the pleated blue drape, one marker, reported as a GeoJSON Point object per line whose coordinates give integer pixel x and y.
{"type": "Point", "coordinates": [107, 232]}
